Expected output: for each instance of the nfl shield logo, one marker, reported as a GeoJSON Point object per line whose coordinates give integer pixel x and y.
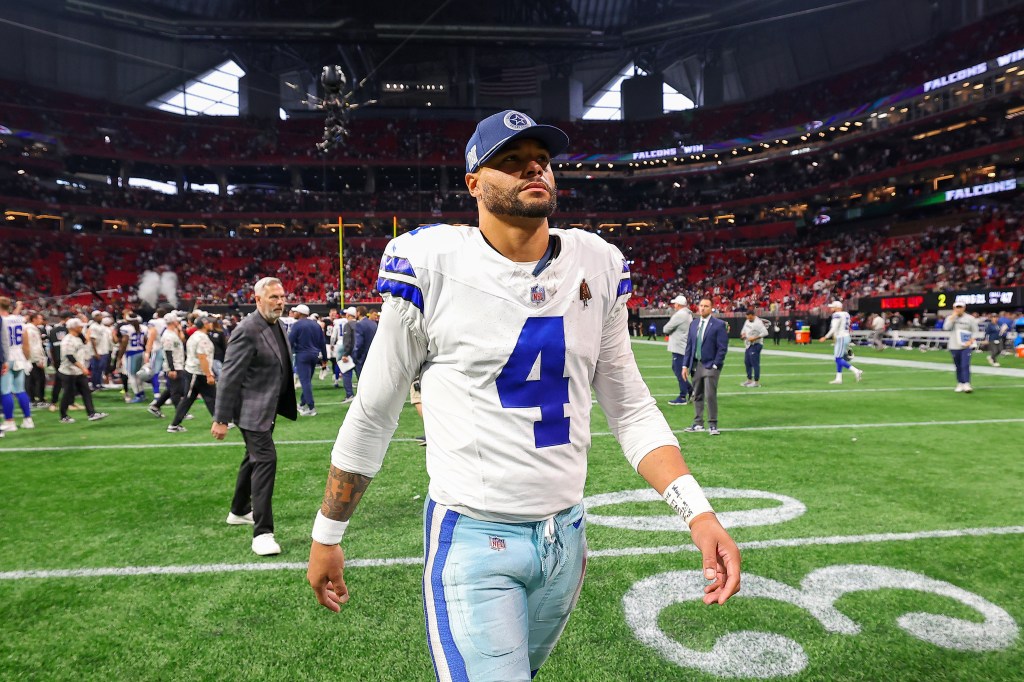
{"type": "Point", "coordinates": [497, 544]}
{"type": "Point", "coordinates": [537, 294]}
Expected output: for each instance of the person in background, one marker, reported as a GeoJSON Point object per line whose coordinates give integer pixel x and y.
{"type": "Point", "coordinates": [343, 349]}
{"type": "Point", "coordinates": [220, 344]}
{"type": "Point", "coordinates": [101, 338]}
{"type": "Point", "coordinates": [56, 336]}
{"type": "Point", "coordinates": [309, 348]}
{"type": "Point", "coordinates": [74, 372]}
{"type": "Point", "coordinates": [961, 327]}
{"type": "Point", "coordinates": [255, 387]}
{"type": "Point", "coordinates": [366, 330]}
{"type": "Point", "coordinates": [37, 356]}
{"type": "Point", "coordinates": [753, 335]}
{"type": "Point", "coordinates": [154, 355]}
{"type": "Point", "coordinates": [839, 330]}
{"type": "Point", "coordinates": [994, 333]}
{"type": "Point", "coordinates": [132, 349]}
{"type": "Point", "coordinates": [678, 330]}
{"type": "Point", "coordinates": [705, 355]}
{"type": "Point", "coordinates": [877, 324]}
{"type": "Point", "coordinates": [172, 346]}
{"type": "Point", "coordinates": [3, 366]}
{"type": "Point", "coordinates": [17, 352]}
{"type": "Point", "coordinates": [198, 374]}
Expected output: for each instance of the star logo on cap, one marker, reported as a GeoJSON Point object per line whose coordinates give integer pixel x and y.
{"type": "Point", "coordinates": [517, 121]}
{"type": "Point", "coordinates": [471, 157]}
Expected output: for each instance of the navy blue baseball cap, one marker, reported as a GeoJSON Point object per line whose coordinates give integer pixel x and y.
{"type": "Point", "coordinates": [497, 130]}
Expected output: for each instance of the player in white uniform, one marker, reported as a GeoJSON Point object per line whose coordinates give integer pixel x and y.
{"type": "Point", "coordinates": [510, 326]}
{"type": "Point", "coordinates": [133, 346]}
{"type": "Point", "coordinates": [154, 354]}
{"type": "Point", "coordinates": [839, 330]}
{"type": "Point", "coordinates": [16, 352]}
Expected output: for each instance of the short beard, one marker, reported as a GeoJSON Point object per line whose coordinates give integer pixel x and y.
{"type": "Point", "coordinates": [508, 203]}
{"type": "Point", "coordinates": [271, 315]}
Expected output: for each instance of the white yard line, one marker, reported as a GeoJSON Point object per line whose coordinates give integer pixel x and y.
{"type": "Point", "coordinates": [906, 364]}
{"type": "Point", "coordinates": [413, 561]}
{"type": "Point", "coordinates": [847, 391]}
{"type": "Point", "coordinates": [596, 434]}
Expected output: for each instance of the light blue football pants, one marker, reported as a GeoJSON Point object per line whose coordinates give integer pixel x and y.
{"type": "Point", "coordinates": [496, 596]}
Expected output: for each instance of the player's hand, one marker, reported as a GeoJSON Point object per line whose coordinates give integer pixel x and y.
{"type": "Point", "coordinates": [219, 430]}
{"type": "Point", "coordinates": [325, 575]}
{"type": "Point", "coordinates": [173, 374]}
{"type": "Point", "coordinates": [721, 558]}
{"type": "Point", "coordinates": [686, 373]}
{"type": "Point", "coordinates": [3, 369]}
{"type": "Point", "coordinates": [210, 379]}
{"type": "Point", "coordinates": [822, 340]}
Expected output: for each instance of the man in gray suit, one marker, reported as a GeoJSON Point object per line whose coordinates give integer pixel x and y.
{"type": "Point", "coordinates": [255, 385]}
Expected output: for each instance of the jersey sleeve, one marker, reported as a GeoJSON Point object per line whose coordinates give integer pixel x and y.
{"type": "Point", "coordinates": [632, 413]}
{"type": "Point", "coordinates": [833, 329]}
{"type": "Point", "coordinates": [624, 287]}
{"type": "Point", "coordinates": [400, 284]}
{"type": "Point", "coordinates": [395, 358]}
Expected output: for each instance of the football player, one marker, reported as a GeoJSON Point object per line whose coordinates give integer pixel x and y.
{"type": "Point", "coordinates": [509, 325]}
{"type": "Point", "coordinates": [839, 330]}
{"type": "Point", "coordinates": [132, 347]}
{"type": "Point", "coordinates": [153, 354]}
{"type": "Point", "coordinates": [16, 353]}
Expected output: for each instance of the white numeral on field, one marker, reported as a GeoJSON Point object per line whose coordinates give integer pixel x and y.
{"type": "Point", "coordinates": [790, 509]}
{"type": "Point", "coordinates": [767, 655]}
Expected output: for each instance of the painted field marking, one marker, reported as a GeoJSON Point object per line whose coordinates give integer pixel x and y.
{"type": "Point", "coordinates": [847, 391]}
{"type": "Point", "coordinates": [886, 362]}
{"type": "Point", "coordinates": [412, 561]}
{"type": "Point", "coordinates": [595, 434]}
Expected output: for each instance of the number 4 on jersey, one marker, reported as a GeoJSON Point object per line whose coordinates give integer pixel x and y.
{"type": "Point", "coordinates": [544, 337]}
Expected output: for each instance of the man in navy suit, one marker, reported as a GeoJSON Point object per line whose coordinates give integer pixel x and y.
{"type": "Point", "coordinates": [705, 355]}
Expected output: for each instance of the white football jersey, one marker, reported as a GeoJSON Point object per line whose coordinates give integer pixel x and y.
{"type": "Point", "coordinates": [136, 339]}
{"type": "Point", "coordinates": [159, 325]}
{"type": "Point", "coordinates": [12, 338]}
{"type": "Point", "coordinates": [840, 324]}
{"type": "Point", "coordinates": [508, 359]}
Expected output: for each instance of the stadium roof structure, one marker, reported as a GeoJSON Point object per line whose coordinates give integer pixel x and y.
{"type": "Point", "coordinates": [459, 53]}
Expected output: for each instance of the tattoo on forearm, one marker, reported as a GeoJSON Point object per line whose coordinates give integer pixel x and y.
{"type": "Point", "coordinates": [343, 493]}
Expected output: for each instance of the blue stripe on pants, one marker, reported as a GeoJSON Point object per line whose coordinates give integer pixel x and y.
{"type": "Point", "coordinates": [449, 651]}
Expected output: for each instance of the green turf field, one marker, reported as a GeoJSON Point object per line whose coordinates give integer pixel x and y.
{"type": "Point", "coordinates": [889, 544]}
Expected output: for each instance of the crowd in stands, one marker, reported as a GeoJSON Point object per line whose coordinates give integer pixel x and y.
{"type": "Point", "coordinates": [859, 165]}
{"type": "Point", "coordinates": [983, 249]}
{"type": "Point", "coordinates": [796, 272]}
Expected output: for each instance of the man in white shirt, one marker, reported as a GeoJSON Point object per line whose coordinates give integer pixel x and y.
{"type": "Point", "coordinates": [753, 335]}
{"type": "Point", "coordinates": [513, 323]}
{"type": "Point", "coordinates": [101, 338]}
{"type": "Point", "coordinates": [199, 379]}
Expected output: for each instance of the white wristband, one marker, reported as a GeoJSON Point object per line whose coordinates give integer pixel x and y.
{"type": "Point", "coordinates": [685, 496]}
{"type": "Point", "coordinates": [328, 531]}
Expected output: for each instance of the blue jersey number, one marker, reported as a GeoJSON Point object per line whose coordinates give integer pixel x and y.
{"type": "Point", "coordinates": [544, 337]}
{"type": "Point", "coordinates": [14, 336]}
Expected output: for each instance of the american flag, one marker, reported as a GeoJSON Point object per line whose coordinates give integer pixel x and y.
{"type": "Point", "coordinates": [516, 81]}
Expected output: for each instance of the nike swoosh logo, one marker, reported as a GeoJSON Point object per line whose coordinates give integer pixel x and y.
{"type": "Point", "coordinates": [576, 524]}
